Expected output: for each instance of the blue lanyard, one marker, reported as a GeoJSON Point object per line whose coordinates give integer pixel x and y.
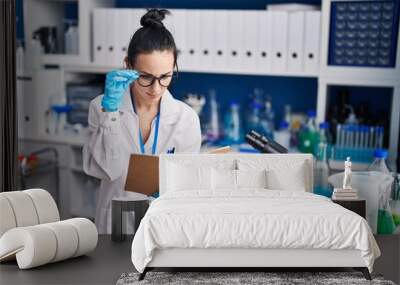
{"type": "Point", "coordinates": [154, 147]}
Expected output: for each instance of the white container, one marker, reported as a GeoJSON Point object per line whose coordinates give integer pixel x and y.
{"type": "Point", "coordinates": [283, 135]}
{"type": "Point", "coordinates": [71, 39]}
{"type": "Point", "coordinates": [371, 185]}
{"type": "Point", "coordinates": [20, 58]}
{"type": "Point", "coordinates": [33, 60]}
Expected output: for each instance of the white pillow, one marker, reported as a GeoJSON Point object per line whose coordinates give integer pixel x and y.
{"type": "Point", "coordinates": [223, 179]}
{"type": "Point", "coordinates": [188, 177]}
{"type": "Point", "coordinates": [293, 179]}
{"type": "Point", "coordinates": [283, 173]}
{"type": "Point", "coordinates": [251, 178]}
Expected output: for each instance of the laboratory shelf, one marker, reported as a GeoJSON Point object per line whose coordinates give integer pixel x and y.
{"type": "Point", "coordinates": [77, 140]}
{"type": "Point", "coordinates": [94, 68]}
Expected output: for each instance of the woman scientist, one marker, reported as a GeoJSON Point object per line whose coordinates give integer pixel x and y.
{"type": "Point", "coordinates": [137, 114]}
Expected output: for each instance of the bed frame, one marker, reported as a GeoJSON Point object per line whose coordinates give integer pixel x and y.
{"type": "Point", "coordinates": [242, 259]}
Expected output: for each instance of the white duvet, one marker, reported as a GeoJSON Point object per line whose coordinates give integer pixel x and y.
{"type": "Point", "coordinates": [253, 218]}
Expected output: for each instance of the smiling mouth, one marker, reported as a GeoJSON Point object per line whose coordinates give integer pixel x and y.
{"type": "Point", "coordinates": [151, 95]}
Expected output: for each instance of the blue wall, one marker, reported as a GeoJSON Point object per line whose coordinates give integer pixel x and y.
{"type": "Point", "coordinates": [300, 93]}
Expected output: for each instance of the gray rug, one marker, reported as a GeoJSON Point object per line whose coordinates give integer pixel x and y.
{"type": "Point", "coordinates": [269, 278]}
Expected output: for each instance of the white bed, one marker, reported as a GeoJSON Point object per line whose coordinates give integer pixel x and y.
{"type": "Point", "coordinates": [213, 212]}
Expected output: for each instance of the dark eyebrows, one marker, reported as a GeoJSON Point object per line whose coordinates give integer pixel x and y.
{"type": "Point", "coordinates": [162, 75]}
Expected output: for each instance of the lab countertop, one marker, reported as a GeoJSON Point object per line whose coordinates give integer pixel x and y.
{"type": "Point", "coordinates": [69, 139]}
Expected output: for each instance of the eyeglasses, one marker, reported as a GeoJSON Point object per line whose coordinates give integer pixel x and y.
{"type": "Point", "coordinates": [146, 80]}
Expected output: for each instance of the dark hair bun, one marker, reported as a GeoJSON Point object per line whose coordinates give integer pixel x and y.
{"type": "Point", "coordinates": [153, 18]}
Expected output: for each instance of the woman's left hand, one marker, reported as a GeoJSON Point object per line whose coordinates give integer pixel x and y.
{"type": "Point", "coordinates": [117, 81]}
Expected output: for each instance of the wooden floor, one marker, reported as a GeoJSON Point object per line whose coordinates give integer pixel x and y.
{"type": "Point", "coordinates": [102, 266]}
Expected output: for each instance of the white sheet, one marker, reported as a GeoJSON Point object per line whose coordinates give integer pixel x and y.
{"type": "Point", "coordinates": [252, 218]}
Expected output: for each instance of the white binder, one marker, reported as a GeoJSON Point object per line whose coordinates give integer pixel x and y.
{"type": "Point", "coordinates": [296, 41]}
{"type": "Point", "coordinates": [312, 41]}
{"type": "Point", "coordinates": [279, 40]}
{"type": "Point", "coordinates": [169, 22]}
{"type": "Point", "coordinates": [111, 32]}
{"type": "Point", "coordinates": [207, 33]}
{"type": "Point", "coordinates": [193, 39]}
{"type": "Point", "coordinates": [264, 50]}
{"type": "Point", "coordinates": [221, 40]}
{"type": "Point", "coordinates": [250, 40]}
{"type": "Point", "coordinates": [136, 16]}
{"type": "Point", "coordinates": [179, 20]}
{"type": "Point", "coordinates": [235, 40]}
{"type": "Point", "coordinates": [134, 24]}
{"type": "Point", "coordinates": [99, 36]}
{"type": "Point", "coordinates": [124, 25]}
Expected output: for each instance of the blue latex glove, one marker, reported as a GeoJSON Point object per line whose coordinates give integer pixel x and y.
{"type": "Point", "coordinates": [117, 81]}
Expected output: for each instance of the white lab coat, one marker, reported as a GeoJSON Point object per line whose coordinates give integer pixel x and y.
{"type": "Point", "coordinates": [115, 135]}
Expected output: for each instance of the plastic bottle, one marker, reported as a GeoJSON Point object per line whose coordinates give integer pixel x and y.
{"type": "Point", "coordinates": [321, 172]}
{"type": "Point", "coordinates": [19, 54]}
{"type": "Point", "coordinates": [71, 38]}
{"type": "Point", "coordinates": [213, 133]}
{"type": "Point", "coordinates": [34, 58]}
{"type": "Point", "coordinates": [267, 120]}
{"type": "Point", "coordinates": [56, 115]}
{"type": "Point", "coordinates": [253, 118]}
{"type": "Point", "coordinates": [395, 203]}
{"type": "Point", "coordinates": [324, 134]}
{"type": "Point", "coordinates": [379, 163]}
{"type": "Point", "coordinates": [386, 224]}
{"type": "Point", "coordinates": [325, 137]}
{"type": "Point", "coordinates": [232, 124]}
{"type": "Point", "coordinates": [257, 96]}
{"type": "Point", "coordinates": [308, 135]}
{"type": "Point", "coordinates": [283, 135]}
{"type": "Point", "coordinates": [379, 137]}
{"type": "Point", "coordinates": [288, 114]}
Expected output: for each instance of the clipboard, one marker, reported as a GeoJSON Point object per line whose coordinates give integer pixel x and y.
{"type": "Point", "coordinates": [142, 174]}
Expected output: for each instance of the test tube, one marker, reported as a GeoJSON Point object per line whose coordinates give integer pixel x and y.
{"type": "Point", "coordinates": [340, 140]}
{"type": "Point", "coordinates": [357, 152]}
{"type": "Point", "coordinates": [380, 140]}
{"type": "Point", "coordinates": [362, 137]}
{"type": "Point", "coordinates": [376, 145]}
{"type": "Point", "coordinates": [371, 137]}
{"type": "Point", "coordinates": [357, 137]}
{"type": "Point", "coordinates": [338, 135]}
{"type": "Point", "coordinates": [364, 142]}
{"type": "Point", "coordinates": [351, 136]}
{"type": "Point", "coordinates": [366, 137]}
{"type": "Point", "coordinates": [348, 135]}
{"type": "Point", "coordinates": [343, 136]}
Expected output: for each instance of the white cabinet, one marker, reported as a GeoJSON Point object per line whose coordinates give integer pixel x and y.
{"type": "Point", "coordinates": [49, 13]}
